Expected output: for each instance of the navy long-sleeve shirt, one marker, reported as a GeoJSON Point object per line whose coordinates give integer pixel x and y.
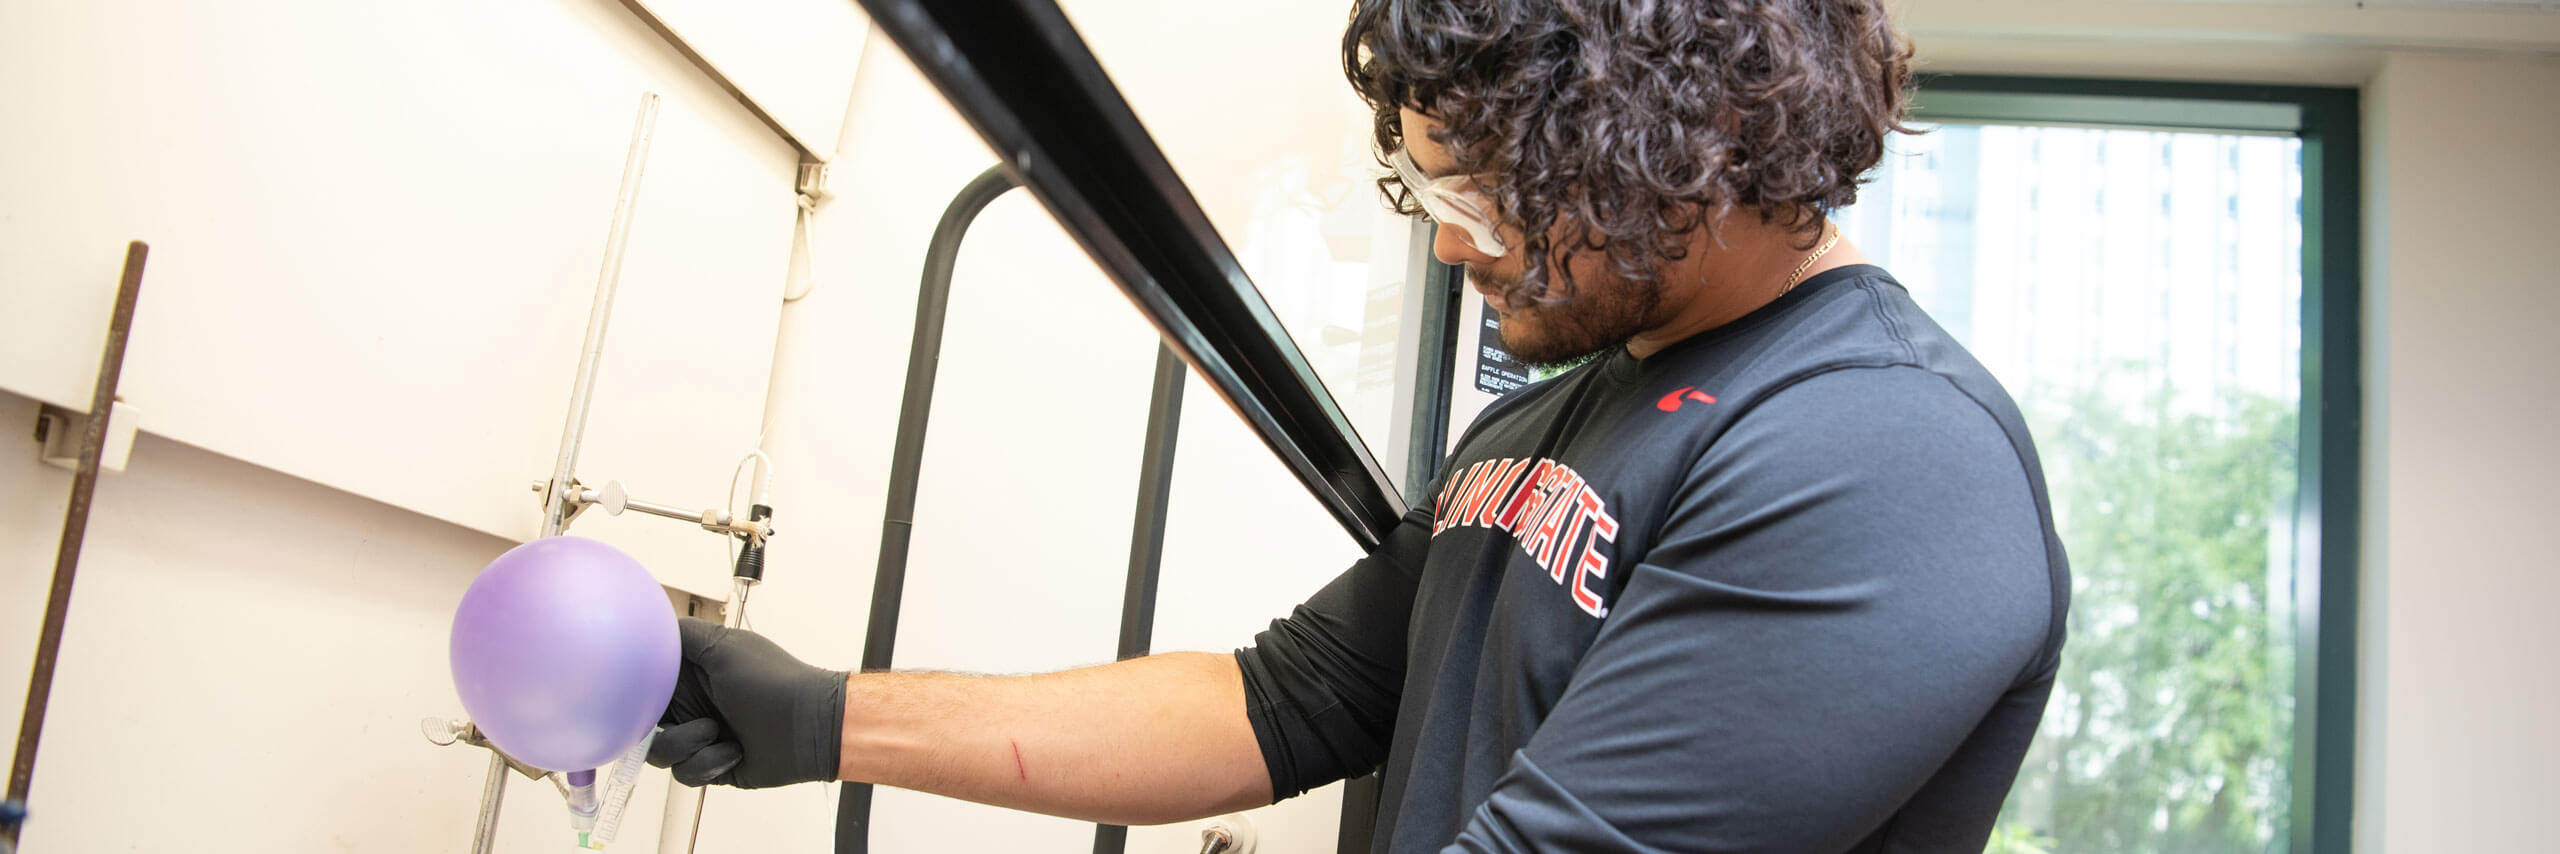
{"type": "Point", "coordinates": [1788, 585]}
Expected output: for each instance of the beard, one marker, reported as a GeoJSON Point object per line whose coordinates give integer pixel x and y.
{"type": "Point", "coordinates": [1604, 311]}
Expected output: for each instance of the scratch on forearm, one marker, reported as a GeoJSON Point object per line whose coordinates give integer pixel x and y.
{"type": "Point", "coordinates": [1018, 768]}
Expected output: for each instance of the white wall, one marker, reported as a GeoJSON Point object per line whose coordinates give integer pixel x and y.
{"type": "Point", "coordinates": [380, 225]}
{"type": "Point", "coordinates": [794, 58]}
{"type": "Point", "coordinates": [376, 230]}
{"type": "Point", "coordinates": [245, 664]}
{"type": "Point", "coordinates": [2460, 581]}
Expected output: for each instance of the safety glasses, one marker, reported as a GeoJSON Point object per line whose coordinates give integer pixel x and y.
{"type": "Point", "coordinates": [1452, 201]}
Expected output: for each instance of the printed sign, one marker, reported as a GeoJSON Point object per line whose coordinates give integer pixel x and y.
{"type": "Point", "coordinates": [1496, 371]}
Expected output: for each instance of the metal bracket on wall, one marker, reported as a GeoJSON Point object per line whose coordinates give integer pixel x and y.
{"type": "Point", "coordinates": [688, 604]}
{"type": "Point", "coordinates": [813, 181]}
{"type": "Point", "coordinates": [58, 436]}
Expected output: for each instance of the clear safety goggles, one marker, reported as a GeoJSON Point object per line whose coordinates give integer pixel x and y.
{"type": "Point", "coordinates": [1452, 201]}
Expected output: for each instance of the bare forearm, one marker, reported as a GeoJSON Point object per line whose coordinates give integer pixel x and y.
{"type": "Point", "coordinates": [1145, 741]}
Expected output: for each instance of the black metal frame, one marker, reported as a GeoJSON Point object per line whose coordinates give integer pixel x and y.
{"type": "Point", "coordinates": [1155, 494]}
{"type": "Point", "coordinates": [1426, 450]}
{"type": "Point", "coordinates": [915, 412]}
{"type": "Point", "coordinates": [906, 464]}
{"type": "Point", "coordinates": [2332, 431]}
{"type": "Point", "coordinates": [1436, 350]}
{"type": "Point", "coordinates": [1146, 537]}
{"type": "Point", "coordinates": [888, 591]}
{"type": "Point", "coordinates": [1023, 79]}
{"type": "Point", "coordinates": [1436, 368]}
{"type": "Point", "coordinates": [1017, 71]}
{"type": "Point", "coordinates": [1436, 355]}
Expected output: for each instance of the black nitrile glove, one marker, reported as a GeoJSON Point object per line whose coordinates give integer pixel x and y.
{"type": "Point", "coordinates": [747, 714]}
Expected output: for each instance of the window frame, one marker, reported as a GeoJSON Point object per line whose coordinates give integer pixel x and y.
{"type": "Point", "coordinates": [2326, 517]}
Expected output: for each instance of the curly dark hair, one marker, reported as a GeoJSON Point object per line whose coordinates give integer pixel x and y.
{"type": "Point", "coordinates": [1626, 126]}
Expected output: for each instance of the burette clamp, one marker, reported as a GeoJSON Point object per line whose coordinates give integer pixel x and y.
{"type": "Point", "coordinates": [614, 499]}
{"type": "Point", "coordinates": [445, 733]}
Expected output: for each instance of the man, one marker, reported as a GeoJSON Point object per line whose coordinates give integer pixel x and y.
{"type": "Point", "coordinates": [1773, 571]}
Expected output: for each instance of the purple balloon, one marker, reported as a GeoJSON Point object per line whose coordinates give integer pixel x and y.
{"type": "Point", "coordinates": [565, 652]}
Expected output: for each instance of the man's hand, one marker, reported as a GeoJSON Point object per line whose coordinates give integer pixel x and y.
{"type": "Point", "coordinates": [747, 714]}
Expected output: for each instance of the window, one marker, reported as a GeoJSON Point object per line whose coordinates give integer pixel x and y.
{"type": "Point", "coordinates": [2163, 276]}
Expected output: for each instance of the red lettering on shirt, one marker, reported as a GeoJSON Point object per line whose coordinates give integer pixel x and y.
{"type": "Point", "coordinates": [1559, 521]}
{"type": "Point", "coordinates": [1522, 497]}
{"type": "Point", "coordinates": [1481, 513]}
{"type": "Point", "coordinates": [1603, 529]}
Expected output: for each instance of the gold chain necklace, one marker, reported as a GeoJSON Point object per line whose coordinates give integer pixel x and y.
{"type": "Point", "coordinates": [1836, 234]}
